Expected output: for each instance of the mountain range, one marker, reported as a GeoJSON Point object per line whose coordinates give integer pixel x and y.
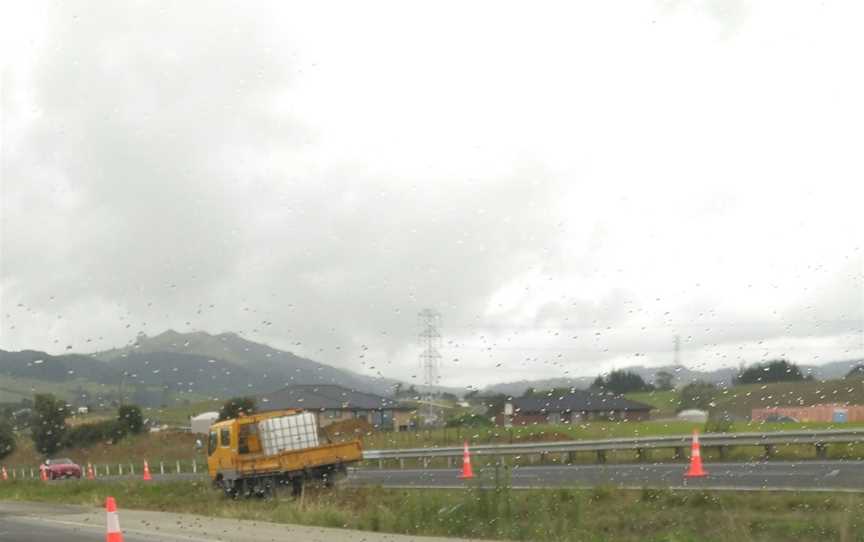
{"type": "Point", "coordinates": [198, 363]}
{"type": "Point", "coordinates": [201, 364]}
{"type": "Point", "coordinates": [681, 376]}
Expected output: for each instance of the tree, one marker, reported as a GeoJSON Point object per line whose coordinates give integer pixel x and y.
{"type": "Point", "coordinates": [495, 404]}
{"type": "Point", "coordinates": [235, 406]}
{"type": "Point", "coordinates": [7, 439]}
{"type": "Point", "coordinates": [48, 423]}
{"type": "Point", "coordinates": [129, 416]}
{"type": "Point", "coordinates": [620, 382]}
{"type": "Point", "coordinates": [778, 370]}
{"type": "Point", "coordinates": [698, 395]}
{"type": "Point", "coordinates": [664, 381]}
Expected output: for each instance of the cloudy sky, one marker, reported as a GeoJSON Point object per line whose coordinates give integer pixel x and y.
{"type": "Point", "coordinates": [570, 184]}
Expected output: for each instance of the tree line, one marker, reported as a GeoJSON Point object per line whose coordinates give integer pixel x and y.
{"type": "Point", "coordinates": [50, 432]}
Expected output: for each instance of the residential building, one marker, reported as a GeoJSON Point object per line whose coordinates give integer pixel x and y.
{"type": "Point", "coordinates": [572, 407]}
{"type": "Point", "coordinates": [838, 413]}
{"type": "Point", "coordinates": [332, 403]}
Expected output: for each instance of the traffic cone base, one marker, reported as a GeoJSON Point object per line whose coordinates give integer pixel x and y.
{"type": "Point", "coordinates": [696, 470]}
{"type": "Point", "coordinates": [467, 471]}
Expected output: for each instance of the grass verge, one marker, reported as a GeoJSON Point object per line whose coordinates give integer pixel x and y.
{"type": "Point", "coordinates": [498, 513]}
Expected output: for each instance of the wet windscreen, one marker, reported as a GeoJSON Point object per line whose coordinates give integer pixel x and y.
{"type": "Point", "coordinates": [481, 270]}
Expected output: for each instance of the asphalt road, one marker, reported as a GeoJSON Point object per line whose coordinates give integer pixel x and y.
{"type": "Point", "coordinates": [799, 476]}
{"type": "Point", "coordinates": [43, 522]}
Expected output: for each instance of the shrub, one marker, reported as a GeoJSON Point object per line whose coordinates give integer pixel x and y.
{"type": "Point", "coordinates": [469, 420]}
{"type": "Point", "coordinates": [237, 405]}
{"type": "Point", "coordinates": [697, 395]}
{"type": "Point", "coordinates": [621, 382]}
{"type": "Point", "coordinates": [48, 423]}
{"type": "Point", "coordinates": [772, 371]}
{"type": "Point", "coordinates": [7, 439]}
{"type": "Point", "coordinates": [92, 433]}
{"type": "Point", "coordinates": [130, 416]}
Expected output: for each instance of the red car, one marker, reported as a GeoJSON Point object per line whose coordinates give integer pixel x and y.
{"type": "Point", "coordinates": [62, 468]}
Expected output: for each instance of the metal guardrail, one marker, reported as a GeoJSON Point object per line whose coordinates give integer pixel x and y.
{"type": "Point", "coordinates": [723, 441]}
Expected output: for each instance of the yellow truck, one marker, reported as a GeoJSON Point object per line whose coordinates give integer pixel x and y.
{"type": "Point", "coordinates": [256, 454]}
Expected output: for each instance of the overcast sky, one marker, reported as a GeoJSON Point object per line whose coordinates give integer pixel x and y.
{"type": "Point", "coordinates": [570, 184]}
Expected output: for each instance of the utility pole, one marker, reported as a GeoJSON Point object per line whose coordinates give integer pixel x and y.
{"type": "Point", "coordinates": [429, 337]}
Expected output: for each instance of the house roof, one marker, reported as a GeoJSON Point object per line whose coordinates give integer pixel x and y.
{"type": "Point", "coordinates": [577, 401]}
{"type": "Point", "coordinates": [324, 397]}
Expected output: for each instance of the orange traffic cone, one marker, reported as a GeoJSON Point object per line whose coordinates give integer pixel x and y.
{"type": "Point", "coordinates": [113, 532]}
{"type": "Point", "coordinates": [90, 474]}
{"type": "Point", "coordinates": [4, 474]}
{"type": "Point", "coordinates": [43, 473]}
{"type": "Point", "coordinates": [467, 471]}
{"type": "Point", "coordinates": [147, 476]}
{"type": "Point", "coordinates": [696, 470]}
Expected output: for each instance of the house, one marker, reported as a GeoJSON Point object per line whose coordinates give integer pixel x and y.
{"type": "Point", "coordinates": [333, 403]}
{"type": "Point", "coordinates": [572, 407]}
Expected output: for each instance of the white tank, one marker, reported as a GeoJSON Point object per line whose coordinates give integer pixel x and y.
{"type": "Point", "coordinates": [288, 433]}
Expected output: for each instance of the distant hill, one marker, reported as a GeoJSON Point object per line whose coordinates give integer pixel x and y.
{"type": "Point", "coordinates": [38, 365]}
{"type": "Point", "coordinates": [172, 363]}
{"type": "Point", "coordinates": [683, 375]}
{"type": "Point", "coordinates": [253, 366]}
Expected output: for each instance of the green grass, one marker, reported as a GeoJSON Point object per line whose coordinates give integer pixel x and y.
{"type": "Point", "coordinates": [665, 402]}
{"type": "Point", "coordinates": [179, 414]}
{"type": "Point", "coordinates": [13, 389]}
{"type": "Point", "coordinates": [168, 447]}
{"type": "Point", "coordinates": [601, 514]}
{"type": "Point", "coordinates": [586, 430]}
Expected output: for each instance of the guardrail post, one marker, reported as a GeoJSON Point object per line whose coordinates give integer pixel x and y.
{"type": "Point", "coordinates": [449, 462]}
{"type": "Point", "coordinates": [401, 463]}
{"type": "Point", "coordinates": [543, 458]}
{"type": "Point", "coordinates": [724, 452]}
{"type": "Point", "coordinates": [380, 464]}
{"type": "Point", "coordinates": [642, 454]}
{"type": "Point", "coordinates": [769, 451]}
{"type": "Point", "coordinates": [821, 450]}
{"type": "Point", "coordinates": [120, 468]}
{"type": "Point", "coordinates": [194, 466]}
{"type": "Point", "coordinates": [31, 474]}
{"type": "Point", "coordinates": [601, 456]}
{"type": "Point", "coordinates": [161, 467]}
{"type": "Point", "coordinates": [107, 469]}
{"type": "Point", "coordinates": [425, 462]}
{"type": "Point", "coordinates": [571, 457]}
{"type": "Point", "coordinates": [131, 469]}
{"type": "Point", "coordinates": [679, 453]}
{"type": "Point", "coordinates": [178, 466]}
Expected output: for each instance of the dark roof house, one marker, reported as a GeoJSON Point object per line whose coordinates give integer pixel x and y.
{"type": "Point", "coordinates": [570, 407]}
{"type": "Point", "coordinates": [576, 401]}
